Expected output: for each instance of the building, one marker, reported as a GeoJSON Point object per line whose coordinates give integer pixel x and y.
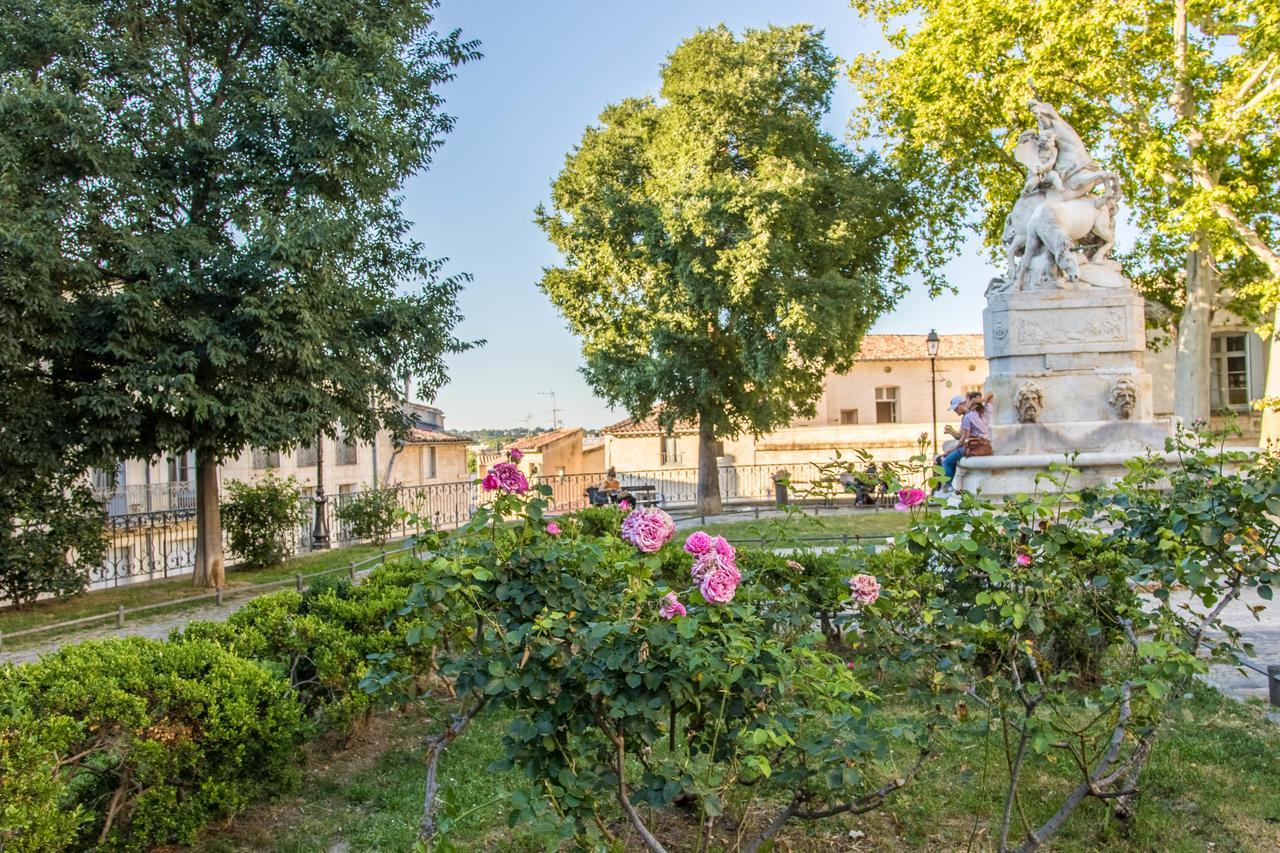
{"type": "Point", "coordinates": [428, 454]}
{"type": "Point", "coordinates": [881, 405]}
{"type": "Point", "coordinates": [1238, 359]}
{"type": "Point", "coordinates": [553, 453]}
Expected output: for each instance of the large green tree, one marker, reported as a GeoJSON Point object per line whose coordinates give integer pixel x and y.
{"type": "Point", "coordinates": [200, 205]}
{"type": "Point", "coordinates": [1181, 97]}
{"type": "Point", "coordinates": [721, 251]}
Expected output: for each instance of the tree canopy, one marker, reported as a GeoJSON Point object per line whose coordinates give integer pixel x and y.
{"type": "Point", "coordinates": [1181, 98]}
{"type": "Point", "coordinates": [722, 252]}
{"type": "Point", "coordinates": [201, 237]}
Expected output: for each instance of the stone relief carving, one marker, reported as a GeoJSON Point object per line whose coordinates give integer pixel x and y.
{"type": "Point", "coordinates": [1065, 214]}
{"type": "Point", "coordinates": [1064, 329]}
{"type": "Point", "coordinates": [1029, 403]}
{"type": "Point", "coordinates": [1124, 398]}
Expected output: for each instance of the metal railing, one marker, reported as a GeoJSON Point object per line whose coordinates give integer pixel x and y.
{"type": "Point", "coordinates": [149, 497]}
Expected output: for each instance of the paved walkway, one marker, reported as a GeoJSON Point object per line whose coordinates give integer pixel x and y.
{"type": "Point", "coordinates": [1263, 632]}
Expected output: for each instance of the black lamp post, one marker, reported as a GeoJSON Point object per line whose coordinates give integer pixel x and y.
{"type": "Point", "coordinates": [320, 529]}
{"type": "Point", "coordinates": [931, 343]}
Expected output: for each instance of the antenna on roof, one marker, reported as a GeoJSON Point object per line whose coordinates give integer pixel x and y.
{"type": "Point", "coordinates": [555, 413]}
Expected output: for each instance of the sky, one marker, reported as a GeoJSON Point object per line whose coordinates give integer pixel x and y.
{"type": "Point", "coordinates": [549, 68]}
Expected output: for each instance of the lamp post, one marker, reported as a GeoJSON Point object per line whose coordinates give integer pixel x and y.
{"type": "Point", "coordinates": [931, 344]}
{"type": "Point", "coordinates": [320, 529]}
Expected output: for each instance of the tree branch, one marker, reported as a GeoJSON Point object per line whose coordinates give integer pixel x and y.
{"type": "Point", "coordinates": [436, 746]}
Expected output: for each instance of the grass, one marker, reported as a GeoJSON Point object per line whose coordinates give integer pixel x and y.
{"type": "Point", "coordinates": [172, 589]}
{"type": "Point", "coordinates": [1210, 786]}
{"type": "Point", "coordinates": [863, 522]}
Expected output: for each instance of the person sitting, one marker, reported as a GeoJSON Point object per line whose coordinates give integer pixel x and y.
{"type": "Point", "coordinates": [975, 435]}
{"type": "Point", "coordinates": [951, 455]}
{"type": "Point", "coordinates": [611, 483]}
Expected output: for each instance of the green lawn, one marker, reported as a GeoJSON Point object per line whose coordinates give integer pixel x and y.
{"type": "Point", "coordinates": [866, 523]}
{"type": "Point", "coordinates": [106, 601]}
{"type": "Point", "coordinates": [1211, 785]}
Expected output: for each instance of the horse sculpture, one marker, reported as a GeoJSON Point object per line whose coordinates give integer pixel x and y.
{"type": "Point", "coordinates": [1059, 211]}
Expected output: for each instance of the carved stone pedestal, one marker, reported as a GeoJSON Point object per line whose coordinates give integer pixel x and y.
{"type": "Point", "coordinates": [1067, 370]}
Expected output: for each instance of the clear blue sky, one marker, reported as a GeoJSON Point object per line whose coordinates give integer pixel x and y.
{"type": "Point", "coordinates": [548, 70]}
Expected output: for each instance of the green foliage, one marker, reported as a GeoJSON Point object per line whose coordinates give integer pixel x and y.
{"type": "Point", "coordinates": [33, 815]}
{"type": "Point", "coordinates": [261, 518]}
{"type": "Point", "coordinates": [58, 537]}
{"type": "Point", "coordinates": [596, 520]}
{"type": "Point", "coordinates": [370, 514]}
{"type": "Point", "coordinates": [722, 226]}
{"type": "Point", "coordinates": [152, 740]}
{"type": "Point", "coordinates": [1192, 139]}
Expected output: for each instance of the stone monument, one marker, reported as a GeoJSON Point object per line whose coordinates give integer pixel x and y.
{"type": "Point", "coordinates": [1064, 330]}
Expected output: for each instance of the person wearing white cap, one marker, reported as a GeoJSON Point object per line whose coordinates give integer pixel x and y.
{"type": "Point", "coordinates": [951, 458]}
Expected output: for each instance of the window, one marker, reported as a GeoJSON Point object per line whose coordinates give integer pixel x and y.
{"type": "Point", "coordinates": [429, 461]}
{"type": "Point", "coordinates": [969, 389]}
{"type": "Point", "coordinates": [263, 459]}
{"type": "Point", "coordinates": [848, 416]}
{"type": "Point", "coordinates": [306, 456]}
{"type": "Point", "coordinates": [887, 405]}
{"type": "Point", "coordinates": [671, 453]}
{"type": "Point", "coordinates": [1229, 376]}
{"type": "Point", "coordinates": [182, 469]}
{"type": "Point", "coordinates": [347, 489]}
{"type": "Point", "coordinates": [345, 451]}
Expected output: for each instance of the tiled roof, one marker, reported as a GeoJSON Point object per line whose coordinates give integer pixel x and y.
{"type": "Point", "coordinates": [542, 439]}
{"type": "Point", "coordinates": [591, 442]}
{"type": "Point", "coordinates": [420, 435]}
{"type": "Point", "coordinates": [912, 347]}
{"type": "Point", "coordinates": [647, 426]}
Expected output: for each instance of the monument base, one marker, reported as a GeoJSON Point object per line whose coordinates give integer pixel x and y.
{"type": "Point", "coordinates": [997, 476]}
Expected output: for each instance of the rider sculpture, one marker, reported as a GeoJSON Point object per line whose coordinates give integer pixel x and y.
{"type": "Point", "coordinates": [1067, 206]}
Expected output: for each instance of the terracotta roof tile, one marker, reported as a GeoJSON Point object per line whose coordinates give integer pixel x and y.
{"type": "Point", "coordinates": [542, 439]}
{"type": "Point", "coordinates": [419, 435]}
{"type": "Point", "coordinates": [646, 426]}
{"type": "Point", "coordinates": [910, 347]}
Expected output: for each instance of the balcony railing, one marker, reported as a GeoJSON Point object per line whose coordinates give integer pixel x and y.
{"type": "Point", "coordinates": [149, 497]}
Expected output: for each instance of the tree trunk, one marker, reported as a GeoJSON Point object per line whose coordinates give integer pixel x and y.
{"type": "Point", "coordinates": [209, 570]}
{"type": "Point", "coordinates": [1191, 367]}
{"type": "Point", "coordinates": [1270, 435]}
{"type": "Point", "coordinates": [708, 472]}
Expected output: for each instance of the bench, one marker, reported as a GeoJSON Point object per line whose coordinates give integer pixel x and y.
{"type": "Point", "coordinates": [643, 495]}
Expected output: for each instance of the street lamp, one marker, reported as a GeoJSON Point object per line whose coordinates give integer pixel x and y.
{"type": "Point", "coordinates": [320, 529]}
{"type": "Point", "coordinates": [931, 344]}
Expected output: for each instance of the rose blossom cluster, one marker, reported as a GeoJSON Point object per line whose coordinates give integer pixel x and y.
{"type": "Point", "coordinates": [715, 567]}
{"type": "Point", "coordinates": [671, 607]}
{"type": "Point", "coordinates": [648, 529]}
{"type": "Point", "coordinates": [865, 588]}
{"type": "Point", "coordinates": [507, 477]}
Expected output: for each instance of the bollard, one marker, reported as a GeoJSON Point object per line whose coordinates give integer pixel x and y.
{"type": "Point", "coordinates": [1273, 684]}
{"type": "Point", "coordinates": [351, 570]}
{"type": "Point", "coordinates": [119, 615]}
{"type": "Point", "coordinates": [217, 596]}
{"type": "Point", "coordinates": [845, 540]}
{"type": "Point", "coordinates": [297, 581]}
{"type": "Point", "coordinates": [757, 509]}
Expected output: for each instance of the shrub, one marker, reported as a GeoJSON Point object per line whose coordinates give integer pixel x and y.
{"type": "Point", "coordinates": [261, 518]}
{"type": "Point", "coordinates": [598, 520]}
{"type": "Point", "coordinates": [55, 535]}
{"type": "Point", "coordinates": [370, 514]}
{"type": "Point", "coordinates": [154, 739]}
{"type": "Point", "coordinates": [33, 816]}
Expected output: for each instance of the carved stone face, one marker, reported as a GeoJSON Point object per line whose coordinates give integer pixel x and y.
{"type": "Point", "coordinates": [1124, 398]}
{"type": "Point", "coordinates": [1029, 403]}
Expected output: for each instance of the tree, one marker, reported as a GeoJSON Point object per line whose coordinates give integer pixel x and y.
{"type": "Point", "coordinates": [722, 252]}
{"type": "Point", "coordinates": [1182, 99]}
{"type": "Point", "coordinates": [205, 205]}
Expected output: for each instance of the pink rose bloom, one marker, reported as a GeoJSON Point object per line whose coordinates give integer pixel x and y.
{"type": "Point", "coordinates": [648, 529]}
{"type": "Point", "coordinates": [852, 665]}
{"type": "Point", "coordinates": [1024, 560]}
{"type": "Point", "coordinates": [908, 498]}
{"type": "Point", "coordinates": [698, 544]}
{"type": "Point", "coordinates": [624, 504]}
{"type": "Point", "coordinates": [515, 454]}
{"type": "Point", "coordinates": [507, 477]}
{"type": "Point", "coordinates": [719, 586]}
{"type": "Point", "coordinates": [671, 607]}
{"type": "Point", "coordinates": [724, 549]}
{"type": "Point", "coordinates": [553, 529]}
{"type": "Point", "coordinates": [713, 562]}
{"type": "Point", "coordinates": [866, 589]}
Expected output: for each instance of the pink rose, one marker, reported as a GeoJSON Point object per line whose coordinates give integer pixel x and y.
{"type": "Point", "coordinates": [852, 665]}
{"type": "Point", "coordinates": [671, 607]}
{"type": "Point", "coordinates": [648, 529]}
{"type": "Point", "coordinates": [724, 549]}
{"type": "Point", "coordinates": [624, 504]}
{"type": "Point", "coordinates": [515, 454]}
{"type": "Point", "coordinates": [719, 586]}
{"type": "Point", "coordinates": [1023, 560]}
{"type": "Point", "coordinates": [507, 477]}
{"type": "Point", "coordinates": [712, 562]}
{"type": "Point", "coordinates": [908, 498]}
{"type": "Point", "coordinates": [698, 544]}
{"type": "Point", "coordinates": [866, 589]}
{"type": "Point", "coordinates": [553, 529]}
